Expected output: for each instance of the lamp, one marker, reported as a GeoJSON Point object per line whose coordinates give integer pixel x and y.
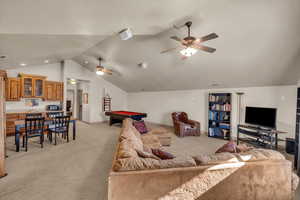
{"type": "Point", "coordinates": [189, 51]}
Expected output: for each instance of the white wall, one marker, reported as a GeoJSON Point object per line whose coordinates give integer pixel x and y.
{"type": "Point", "coordinates": [51, 71]}
{"type": "Point", "coordinates": [160, 105]}
{"type": "Point", "coordinates": [96, 87]}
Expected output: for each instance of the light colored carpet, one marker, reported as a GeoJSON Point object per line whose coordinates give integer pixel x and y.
{"type": "Point", "coordinates": [77, 170]}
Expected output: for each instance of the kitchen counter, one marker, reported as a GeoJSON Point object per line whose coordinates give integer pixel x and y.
{"type": "Point", "coordinates": [16, 111]}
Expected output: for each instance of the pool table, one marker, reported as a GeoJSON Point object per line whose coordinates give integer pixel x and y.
{"type": "Point", "coordinates": [118, 116]}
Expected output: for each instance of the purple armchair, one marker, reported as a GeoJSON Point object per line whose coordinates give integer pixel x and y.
{"type": "Point", "coordinates": [184, 126]}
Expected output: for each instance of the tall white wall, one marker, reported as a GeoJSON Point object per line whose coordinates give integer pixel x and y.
{"type": "Point", "coordinates": [52, 71]}
{"type": "Point", "coordinates": [96, 87]}
{"type": "Point", "coordinates": [160, 105]}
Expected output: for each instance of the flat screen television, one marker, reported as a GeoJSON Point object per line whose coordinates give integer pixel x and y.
{"type": "Point", "coordinates": [265, 117]}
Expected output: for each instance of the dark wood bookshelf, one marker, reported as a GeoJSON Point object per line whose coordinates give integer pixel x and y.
{"type": "Point", "coordinates": [219, 115]}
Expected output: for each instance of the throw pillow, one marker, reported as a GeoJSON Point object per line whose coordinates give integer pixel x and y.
{"type": "Point", "coordinates": [144, 154]}
{"type": "Point", "coordinates": [162, 154]}
{"type": "Point", "coordinates": [229, 147]}
{"type": "Point", "coordinates": [140, 126]}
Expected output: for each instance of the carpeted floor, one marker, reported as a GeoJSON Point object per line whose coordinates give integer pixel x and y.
{"type": "Point", "coordinates": [77, 170]}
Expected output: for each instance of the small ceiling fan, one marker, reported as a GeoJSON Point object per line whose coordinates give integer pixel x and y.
{"type": "Point", "coordinates": [191, 44]}
{"type": "Point", "coordinates": [100, 70]}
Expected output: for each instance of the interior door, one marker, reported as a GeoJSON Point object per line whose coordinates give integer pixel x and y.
{"type": "Point", "coordinates": [70, 101]}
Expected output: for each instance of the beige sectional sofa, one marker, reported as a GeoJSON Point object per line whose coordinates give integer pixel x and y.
{"type": "Point", "coordinates": [253, 175]}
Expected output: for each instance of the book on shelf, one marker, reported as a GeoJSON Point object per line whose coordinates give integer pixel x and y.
{"type": "Point", "coordinates": [221, 107]}
{"type": "Point", "coordinates": [216, 98]}
{"type": "Point", "coordinates": [219, 115]}
{"type": "Point", "coordinates": [217, 132]}
{"type": "Point", "coordinates": [213, 115]}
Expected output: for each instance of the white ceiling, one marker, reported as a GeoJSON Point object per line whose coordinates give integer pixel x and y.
{"type": "Point", "coordinates": [259, 41]}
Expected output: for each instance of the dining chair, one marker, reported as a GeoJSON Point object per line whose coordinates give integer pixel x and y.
{"type": "Point", "coordinates": [34, 115]}
{"type": "Point", "coordinates": [34, 127]}
{"type": "Point", "coordinates": [54, 114]}
{"type": "Point", "coordinates": [61, 126]}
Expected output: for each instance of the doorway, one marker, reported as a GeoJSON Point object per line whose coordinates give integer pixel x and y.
{"type": "Point", "coordinates": [79, 104]}
{"type": "Point", "coordinates": [70, 102]}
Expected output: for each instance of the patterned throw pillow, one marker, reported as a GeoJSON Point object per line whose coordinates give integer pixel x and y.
{"type": "Point", "coordinates": [229, 147]}
{"type": "Point", "coordinates": [162, 154]}
{"type": "Point", "coordinates": [140, 126]}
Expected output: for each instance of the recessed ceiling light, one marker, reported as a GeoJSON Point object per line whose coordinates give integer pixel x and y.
{"type": "Point", "coordinates": [23, 64]}
{"type": "Point", "coordinates": [86, 62]}
{"type": "Point", "coordinates": [46, 61]}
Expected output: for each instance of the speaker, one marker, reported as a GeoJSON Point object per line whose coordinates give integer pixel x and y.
{"type": "Point", "coordinates": [125, 34]}
{"type": "Point", "coordinates": [290, 145]}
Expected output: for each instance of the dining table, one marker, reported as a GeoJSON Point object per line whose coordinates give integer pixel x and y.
{"type": "Point", "coordinates": [20, 124]}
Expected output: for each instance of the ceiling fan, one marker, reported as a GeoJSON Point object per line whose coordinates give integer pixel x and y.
{"type": "Point", "coordinates": [191, 44]}
{"type": "Point", "coordinates": [100, 70]}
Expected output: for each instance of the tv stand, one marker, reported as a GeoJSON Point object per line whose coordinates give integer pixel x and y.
{"type": "Point", "coordinates": [258, 136]}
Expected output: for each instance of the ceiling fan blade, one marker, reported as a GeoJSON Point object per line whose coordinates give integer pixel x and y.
{"type": "Point", "coordinates": [108, 71]}
{"type": "Point", "coordinates": [168, 50]}
{"type": "Point", "coordinates": [208, 37]}
{"type": "Point", "coordinates": [176, 38]}
{"type": "Point", "coordinates": [205, 48]}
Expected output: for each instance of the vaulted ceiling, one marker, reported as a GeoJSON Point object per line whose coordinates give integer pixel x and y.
{"type": "Point", "coordinates": [259, 41]}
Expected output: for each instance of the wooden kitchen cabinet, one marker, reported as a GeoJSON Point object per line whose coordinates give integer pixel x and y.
{"type": "Point", "coordinates": [32, 86]}
{"type": "Point", "coordinates": [54, 91]}
{"type": "Point", "coordinates": [13, 89]}
{"type": "Point", "coordinates": [59, 91]}
{"type": "Point", "coordinates": [50, 90]}
{"type": "Point", "coordinates": [10, 123]}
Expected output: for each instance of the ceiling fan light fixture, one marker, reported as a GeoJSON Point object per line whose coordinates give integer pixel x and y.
{"type": "Point", "coordinates": [99, 72]}
{"type": "Point", "coordinates": [189, 51]}
{"type": "Point", "coordinates": [72, 81]}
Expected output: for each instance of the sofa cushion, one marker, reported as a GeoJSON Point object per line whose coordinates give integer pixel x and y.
{"type": "Point", "coordinates": [213, 159]}
{"type": "Point", "coordinates": [145, 154]}
{"type": "Point", "coordinates": [126, 150]}
{"type": "Point", "coordinates": [159, 130]}
{"type": "Point", "coordinates": [128, 133]}
{"type": "Point", "coordinates": [140, 126]}
{"type": "Point", "coordinates": [128, 130]}
{"type": "Point", "coordinates": [229, 147]}
{"type": "Point", "coordinates": [295, 182]}
{"type": "Point", "coordinates": [243, 148]}
{"type": "Point", "coordinates": [151, 141]}
{"type": "Point", "coordinates": [131, 164]}
{"type": "Point", "coordinates": [271, 154]}
{"type": "Point", "coordinates": [260, 154]}
{"type": "Point", "coordinates": [184, 161]}
{"type": "Point", "coordinates": [252, 155]}
{"type": "Point", "coordinates": [162, 154]}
